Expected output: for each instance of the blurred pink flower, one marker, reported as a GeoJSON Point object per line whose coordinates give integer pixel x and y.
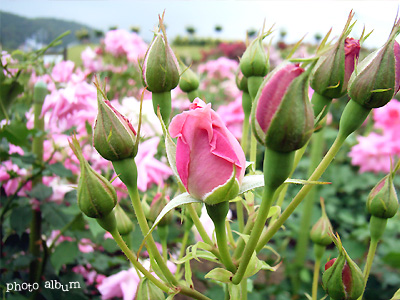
{"type": "Point", "coordinates": [374, 152]}
{"type": "Point", "coordinates": [7, 60]}
{"type": "Point", "coordinates": [221, 68]}
{"type": "Point", "coordinates": [122, 284]}
{"type": "Point", "coordinates": [120, 42]}
{"type": "Point", "coordinates": [232, 115]}
{"type": "Point", "coordinates": [86, 245]}
{"type": "Point", "coordinates": [88, 273]}
{"type": "Point", "coordinates": [91, 61]}
{"type": "Point", "coordinates": [150, 170]}
{"type": "Point", "coordinates": [62, 71]}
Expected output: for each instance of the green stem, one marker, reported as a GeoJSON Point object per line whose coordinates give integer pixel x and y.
{"type": "Point", "coordinates": [245, 133]}
{"type": "Point", "coordinates": [218, 214]}
{"type": "Point", "coordinates": [162, 100]}
{"type": "Point", "coordinates": [243, 287]}
{"type": "Point", "coordinates": [253, 152]}
{"type": "Point", "coordinates": [377, 228]}
{"type": "Point", "coordinates": [183, 249]}
{"type": "Point", "coordinates": [255, 233]}
{"type": "Point", "coordinates": [318, 252]}
{"type": "Point", "coordinates": [241, 243]}
{"type": "Point", "coordinates": [193, 95]}
{"type": "Point", "coordinates": [320, 103]}
{"type": "Point", "coordinates": [127, 171]}
{"type": "Point", "coordinates": [134, 260]}
{"type": "Point", "coordinates": [253, 84]}
{"type": "Point", "coordinates": [163, 234]}
{"type": "Point", "coordinates": [35, 240]}
{"type": "Point", "coordinates": [303, 234]}
{"type": "Point", "coordinates": [352, 118]}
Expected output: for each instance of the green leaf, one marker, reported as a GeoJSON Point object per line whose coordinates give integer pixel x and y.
{"type": "Point", "coordinates": [16, 133]}
{"type": "Point", "coordinates": [53, 214]}
{"type": "Point", "coordinates": [392, 259]}
{"type": "Point", "coordinates": [396, 295]}
{"type": "Point", "coordinates": [59, 170]}
{"type": "Point", "coordinates": [40, 192]}
{"type": "Point", "coordinates": [250, 182]}
{"type": "Point", "coordinates": [65, 253]}
{"type": "Point", "coordinates": [179, 200]}
{"type": "Point", "coordinates": [20, 218]}
{"type": "Point", "coordinates": [220, 275]}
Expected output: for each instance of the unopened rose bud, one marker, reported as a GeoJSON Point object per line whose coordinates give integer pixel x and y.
{"type": "Point", "coordinates": [156, 206]}
{"type": "Point", "coordinates": [189, 81]}
{"type": "Point", "coordinates": [209, 159]}
{"type": "Point", "coordinates": [320, 232]}
{"type": "Point", "coordinates": [160, 69]}
{"type": "Point", "coordinates": [343, 279]}
{"type": "Point", "coordinates": [282, 117]}
{"type": "Point", "coordinates": [124, 223]}
{"type": "Point", "coordinates": [334, 68]}
{"type": "Point", "coordinates": [377, 78]}
{"type": "Point", "coordinates": [382, 201]}
{"type": "Point", "coordinates": [96, 196]}
{"type": "Point", "coordinates": [114, 136]}
{"type": "Point", "coordinates": [254, 61]}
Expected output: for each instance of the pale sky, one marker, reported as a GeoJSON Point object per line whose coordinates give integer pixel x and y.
{"type": "Point", "coordinates": [296, 17]}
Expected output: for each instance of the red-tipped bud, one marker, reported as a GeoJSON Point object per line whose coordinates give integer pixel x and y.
{"type": "Point", "coordinates": [114, 137]}
{"type": "Point", "coordinates": [334, 68]}
{"type": "Point", "coordinates": [282, 117]}
{"type": "Point", "coordinates": [377, 78]}
{"type": "Point", "coordinates": [382, 201]}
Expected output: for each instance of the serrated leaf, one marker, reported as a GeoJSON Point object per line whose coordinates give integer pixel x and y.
{"type": "Point", "coordinates": [65, 253]}
{"type": "Point", "coordinates": [179, 200]}
{"type": "Point", "coordinates": [220, 275]}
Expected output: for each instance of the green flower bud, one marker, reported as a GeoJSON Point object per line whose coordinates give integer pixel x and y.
{"type": "Point", "coordinates": [149, 291]}
{"type": "Point", "coordinates": [189, 81]}
{"type": "Point", "coordinates": [96, 196]}
{"type": "Point", "coordinates": [254, 61]}
{"type": "Point", "coordinates": [375, 81]}
{"type": "Point", "coordinates": [124, 223]}
{"type": "Point", "coordinates": [382, 201]}
{"type": "Point", "coordinates": [241, 81]}
{"type": "Point", "coordinates": [343, 279]}
{"type": "Point", "coordinates": [320, 232]}
{"type": "Point", "coordinates": [156, 206]}
{"type": "Point", "coordinates": [160, 69]}
{"type": "Point", "coordinates": [114, 136]}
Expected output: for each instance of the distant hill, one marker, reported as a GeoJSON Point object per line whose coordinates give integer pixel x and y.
{"type": "Point", "coordinates": [16, 30]}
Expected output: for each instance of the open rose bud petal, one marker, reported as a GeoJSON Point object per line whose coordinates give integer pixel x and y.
{"type": "Point", "coordinates": [209, 159]}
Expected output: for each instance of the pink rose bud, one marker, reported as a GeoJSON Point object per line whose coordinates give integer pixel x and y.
{"type": "Point", "coordinates": [377, 78]}
{"type": "Point", "coordinates": [282, 117]}
{"type": "Point", "coordinates": [343, 279]}
{"type": "Point", "coordinates": [209, 159]}
{"type": "Point", "coordinates": [114, 136]}
{"type": "Point", "coordinates": [334, 68]}
{"type": "Point", "coordinates": [160, 69]}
